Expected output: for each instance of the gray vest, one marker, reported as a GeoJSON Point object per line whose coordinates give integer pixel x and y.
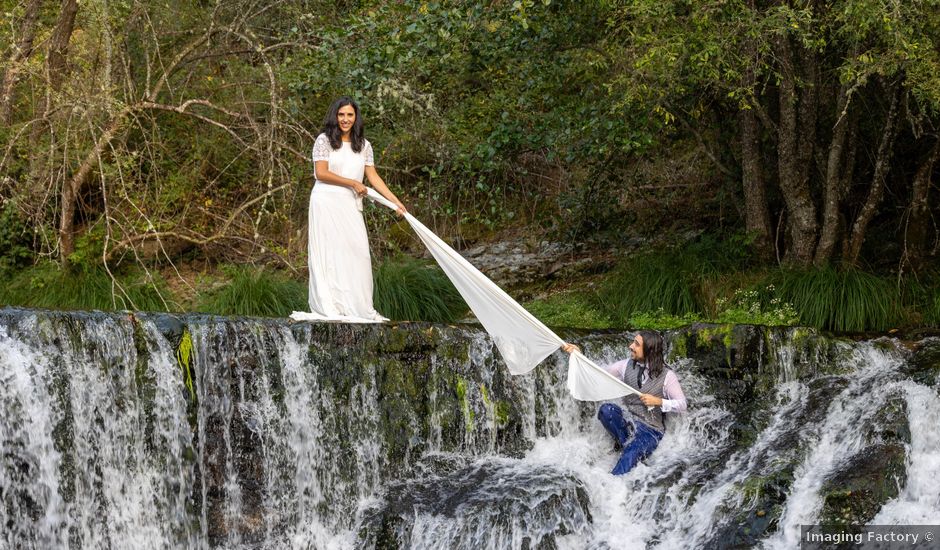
{"type": "Point", "coordinates": [653, 386]}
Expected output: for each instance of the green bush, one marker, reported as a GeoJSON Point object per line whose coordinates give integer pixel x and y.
{"type": "Point", "coordinates": [15, 242]}
{"type": "Point", "coordinates": [841, 300]}
{"type": "Point", "coordinates": [411, 290]}
{"type": "Point", "coordinates": [256, 292]}
{"type": "Point", "coordinates": [48, 286]}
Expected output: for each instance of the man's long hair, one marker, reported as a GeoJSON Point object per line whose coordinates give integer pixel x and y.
{"type": "Point", "coordinates": [331, 126]}
{"type": "Point", "coordinates": [653, 352]}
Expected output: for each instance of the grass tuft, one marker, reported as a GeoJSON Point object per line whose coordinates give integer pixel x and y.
{"type": "Point", "coordinates": [668, 282]}
{"type": "Point", "coordinates": [848, 300]}
{"type": "Point", "coordinates": [255, 292]}
{"type": "Point", "coordinates": [48, 286]}
{"type": "Point", "coordinates": [406, 289]}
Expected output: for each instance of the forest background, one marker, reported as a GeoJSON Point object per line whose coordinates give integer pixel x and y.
{"type": "Point", "coordinates": [726, 160]}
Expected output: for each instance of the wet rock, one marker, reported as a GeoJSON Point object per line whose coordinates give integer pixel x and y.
{"type": "Point", "coordinates": [871, 477]}
{"type": "Point", "coordinates": [924, 363]}
{"type": "Point", "coordinates": [489, 504]}
{"type": "Point", "coordinates": [861, 487]}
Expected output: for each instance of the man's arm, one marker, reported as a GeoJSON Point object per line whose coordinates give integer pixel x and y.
{"type": "Point", "coordinates": [674, 399]}
{"type": "Point", "coordinates": [616, 369]}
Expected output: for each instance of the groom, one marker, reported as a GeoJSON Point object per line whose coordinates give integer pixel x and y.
{"type": "Point", "coordinates": [639, 425]}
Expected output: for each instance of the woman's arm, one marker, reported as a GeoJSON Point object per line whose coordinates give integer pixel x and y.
{"type": "Point", "coordinates": [379, 184]}
{"type": "Point", "coordinates": [323, 174]}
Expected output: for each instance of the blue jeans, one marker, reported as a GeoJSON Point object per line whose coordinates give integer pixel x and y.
{"type": "Point", "coordinates": [642, 444]}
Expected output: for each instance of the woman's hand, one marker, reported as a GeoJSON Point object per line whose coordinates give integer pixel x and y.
{"type": "Point", "coordinates": [401, 208]}
{"type": "Point", "coordinates": [570, 348]}
{"type": "Point", "coordinates": [360, 190]}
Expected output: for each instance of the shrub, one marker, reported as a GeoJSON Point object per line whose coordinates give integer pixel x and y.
{"type": "Point", "coordinates": [15, 242]}
{"type": "Point", "coordinates": [406, 289]}
{"type": "Point", "coordinates": [256, 292]}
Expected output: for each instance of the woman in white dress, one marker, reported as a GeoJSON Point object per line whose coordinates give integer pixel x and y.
{"type": "Point", "coordinates": [338, 246]}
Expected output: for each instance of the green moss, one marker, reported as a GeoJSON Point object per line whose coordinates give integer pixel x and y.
{"type": "Point", "coordinates": [184, 359]}
{"type": "Point", "coordinates": [464, 403]}
{"type": "Point", "coordinates": [718, 333]}
{"type": "Point", "coordinates": [680, 346]}
{"type": "Point", "coordinates": [503, 410]}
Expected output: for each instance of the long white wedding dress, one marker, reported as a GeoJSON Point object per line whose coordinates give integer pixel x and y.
{"type": "Point", "coordinates": [340, 265]}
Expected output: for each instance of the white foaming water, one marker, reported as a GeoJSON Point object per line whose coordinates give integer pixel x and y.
{"type": "Point", "coordinates": [26, 433]}
{"type": "Point", "coordinates": [919, 500]}
{"type": "Point", "coordinates": [633, 510]}
{"type": "Point", "coordinates": [90, 439]}
{"type": "Point", "coordinates": [836, 440]}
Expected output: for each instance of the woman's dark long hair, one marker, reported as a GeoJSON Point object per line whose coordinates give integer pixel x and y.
{"type": "Point", "coordinates": [331, 126]}
{"type": "Point", "coordinates": [653, 352]}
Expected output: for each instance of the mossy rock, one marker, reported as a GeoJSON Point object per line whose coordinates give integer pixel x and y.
{"type": "Point", "coordinates": [765, 496]}
{"type": "Point", "coordinates": [854, 494]}
{"type": "Point", "coordinates": [924, 363]}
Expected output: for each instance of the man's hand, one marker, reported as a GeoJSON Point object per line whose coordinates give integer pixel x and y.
{"type": "Point", "coordinates": [651, 400]}
{"type": "Point", "coordinates": [570, 348]}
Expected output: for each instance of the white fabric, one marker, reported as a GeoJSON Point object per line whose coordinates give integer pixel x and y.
{"type": "Point", "coordinates": [523, 340]}
{"type": "Point", "coordinates": [340, 287]}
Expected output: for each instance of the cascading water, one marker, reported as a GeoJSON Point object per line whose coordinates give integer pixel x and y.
{"type": "Point", "coordinates": [414, 436]}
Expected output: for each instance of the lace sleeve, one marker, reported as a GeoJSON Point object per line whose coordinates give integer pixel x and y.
{"type": "Point", "coordinates": [367, 153]}
{"type": "Point", "coordinates": [321, 148]}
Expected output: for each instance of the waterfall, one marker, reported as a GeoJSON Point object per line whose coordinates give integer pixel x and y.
{"type": "Point", "coordinates": [414, 436]}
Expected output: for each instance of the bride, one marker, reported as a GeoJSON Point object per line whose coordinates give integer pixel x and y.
{"type": "Point", "coordinates": [338, 247]}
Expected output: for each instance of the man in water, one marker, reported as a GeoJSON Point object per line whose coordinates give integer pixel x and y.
{"type": "Point", "coordinates": [639, 426]}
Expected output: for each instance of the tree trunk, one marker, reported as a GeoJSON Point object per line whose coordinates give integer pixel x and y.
{"type": "Point", "coordinates": [836, 166]}
{"type": "Point", "coordinates": [876, 191]}
{"type": "Point", "coordinates": [795, 189]}
{"type": "Point", "coordinates": [59, 44]}
{"type": "Point", "coordinates": [809, 101]}
{"type": "Point", "coordinates": [21, 52]}
{"type": "Point", "coordinates": [918, 226]}
{"type": "Point", "coordinates": [757, 215]}
{"type": "Point", "coordinates": [56, 67]}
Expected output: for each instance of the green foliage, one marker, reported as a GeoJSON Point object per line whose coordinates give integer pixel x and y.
{"type": "Point", "coordinates": [47, 286]}
{"type": "Point", "coordinates": [257, 292]}
{"type": "Point", "coordinates": [756, 308]}
{"type": "Point", "coordinates": [15, 244]}
{"type": "Point", "coordinates": [411, 290]}
{"type": "Point", "coordinates": [570, 309]}
{"type": "Point", "coordinates": [932, 311]}
{"type": "Point", "coordinates": [841, 300]}
{"type": "Point", "coordinates": [660, 320]}
{"type": "Point", "coordinates": [670, 280]}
